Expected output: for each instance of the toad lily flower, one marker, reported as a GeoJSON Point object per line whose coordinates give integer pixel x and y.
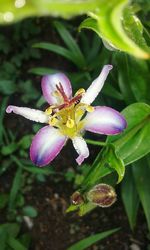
{"type": "Point", "coordinates": [68, 117]}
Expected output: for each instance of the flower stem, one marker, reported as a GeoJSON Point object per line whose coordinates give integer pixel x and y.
{"type": "Point", "coordinates": [99, 143]}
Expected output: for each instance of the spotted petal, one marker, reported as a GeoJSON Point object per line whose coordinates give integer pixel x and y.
{"type": "Point", "coordinates": [31, 114]}
{"type": "Point", "coordinates": [105, 120]}
{"type": "Point", "coordinates": [46, 145]}
{"type": "Point", "coordinates": [96, 86]}
{"type": "Point", "coordinates": [81, 148]}
{"type": "Point", "coordinates": [49, 83]}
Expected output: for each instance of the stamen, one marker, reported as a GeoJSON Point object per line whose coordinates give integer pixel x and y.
{"type": "Point", "coordinates": [70, 123]}
{"type": "Point", "coordinates": [53, 121]}
{"type": "Point", "coordinates": [48, 111]}
{"type": "Point", "coordinates": [89, 108]}
{"type": "Point", "coordinates": [80, 92]}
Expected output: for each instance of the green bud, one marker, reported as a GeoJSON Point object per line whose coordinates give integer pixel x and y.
{"type": "Point", "coordinates": [102, 195]}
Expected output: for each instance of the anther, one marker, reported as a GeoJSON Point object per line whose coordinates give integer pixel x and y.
{"type": "Point", "coordinates": [48, 111]}
{"type": "Point", "coordinates": [80, 92]}
{"type": "Point", "coordinates": [53, 121]}
{"type": "Point", "coordinates": [89, 108]}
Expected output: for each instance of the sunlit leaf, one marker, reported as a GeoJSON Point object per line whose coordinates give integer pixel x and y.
{"type": "Point", "coordinates": [13, 12]}
{"type": "Point", "coordinates": [115, 23]}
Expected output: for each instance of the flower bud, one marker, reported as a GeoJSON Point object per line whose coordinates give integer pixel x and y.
{"type": "Point", "coordinates": [102, 195]}
{"type": "Point", "coordinates": [77, 198]}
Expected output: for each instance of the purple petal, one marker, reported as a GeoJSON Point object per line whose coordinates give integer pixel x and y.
{"type": "Point", "coordinates": [49, 83]}
{"type": "Point", "coordinates": [46, 145]}
{"type": "Point", "coordinates": [31, 114]}
{"type": "Point", "coordinates": [96, 86]}
{"type": "Point", "coordinates": [105, 120]}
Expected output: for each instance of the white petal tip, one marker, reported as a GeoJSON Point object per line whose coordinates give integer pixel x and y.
{"type": "Point", "coordinates": [9, 109]}
{"type": "Point", "coordinates": [80, 159]}
{"type": "Point", "coordinates": [108, 67]}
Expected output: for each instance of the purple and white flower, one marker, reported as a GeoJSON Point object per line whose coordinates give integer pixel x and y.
{"type": "Point", "coordinates": [68, 117]}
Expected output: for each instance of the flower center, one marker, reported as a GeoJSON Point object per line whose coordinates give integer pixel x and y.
{"type": "Point", "coordinates": [68, 116]}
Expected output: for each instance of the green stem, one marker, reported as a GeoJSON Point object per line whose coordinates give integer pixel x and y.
{"type": "Point", "coordinates": [15, 159]}
{"type": "Point", "coordinates": [99, 143]}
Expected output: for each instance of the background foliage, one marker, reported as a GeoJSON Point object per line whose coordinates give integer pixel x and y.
{"type": "Point", "coordinates": [81, 56]}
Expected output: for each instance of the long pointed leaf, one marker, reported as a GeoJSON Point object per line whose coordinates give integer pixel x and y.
{"type": "Point", "coordinates": [141, 173]}
{"type": "Point", "coordinates": [130, 197]}
{"type": "Point", "coordinates": [87, 242]}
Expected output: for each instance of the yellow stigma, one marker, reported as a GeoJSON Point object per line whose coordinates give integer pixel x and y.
{"type": "Point", "coordinates": [80, 91]}
{"type": "Point", "coordinates": [70, 123]}
{"type": "Point", "coordinates": [53, 121]}
{"type": "Point", "coordinates": [89, 108]}
{"type": "Point", "coordinates": [48, 111]}
{"type": "Point", "coordinates": [56, 93]}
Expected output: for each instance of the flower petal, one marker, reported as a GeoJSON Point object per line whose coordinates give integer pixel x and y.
{"type": "Point", "coordinates": [105, 120]}
{"type": "Point", "coordinates": [31, 114]}
{"type": "Point", "coordinates": [49, 83]}
{"type": "Point", "coordinates": [46, 145]}
{"type": "Point", "coordinates": [81, 148]}
{"type": "Point", "coordinates": [96, 86]}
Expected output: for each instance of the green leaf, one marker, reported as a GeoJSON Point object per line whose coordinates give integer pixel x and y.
{"type": "Point", "coordinates": [35, 170]}
{"type": "Point", "coordinates": [29, 211]}
{"type": "Point", "coordinates": [114, 162]}
{"type": "Point", "coordinates": [106, 162]}
{"type": "Point", "coordinates": [43, 8]}
{"type": "Point", "coordinates": [124, 77]}
{"type": "Point", "coordinates": [17, 182]}
{"type": "Point", "coordinates": [71, 44]}
{"type": "Point", "coordinates": [134, 142]}
{"type": "Point", "coordinates": [109, 90]}
{"type": "Point", "coordinates": [87, 242]}
{"type": "Point", "coordinates": [134, 86]}
{"type": "Point", "coordinates": [2, 112]}
{"type": "Point", "coordinates": [7, 87]}
{"type": "Point", "coordinates": [25, 239]}
{"type": "Point", "coordinates": [58, 50]}
{"type": "Point", "coordinates": [3, 200]}
{"type": "Point", "coordinates": [15, 244]}
{"type": "Point", "coordinates": [139, 145]}
{"type": "Point", "coordinates": [141, 173]}
{"type": "Point", "coordinates": [9, 149]}
{"type": "Point", "coordinates": [130, 197]}
{"type": "Point", "coordinates": [118, 27]}
{"type": "Point", "coordinates": [25, 141]}
{"type": "Point", "coordinates": [134, 28]}
{"type": "Point", "coordinates": [42, 71]}
{"type": "Point", "coordinates": [11, 229]}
